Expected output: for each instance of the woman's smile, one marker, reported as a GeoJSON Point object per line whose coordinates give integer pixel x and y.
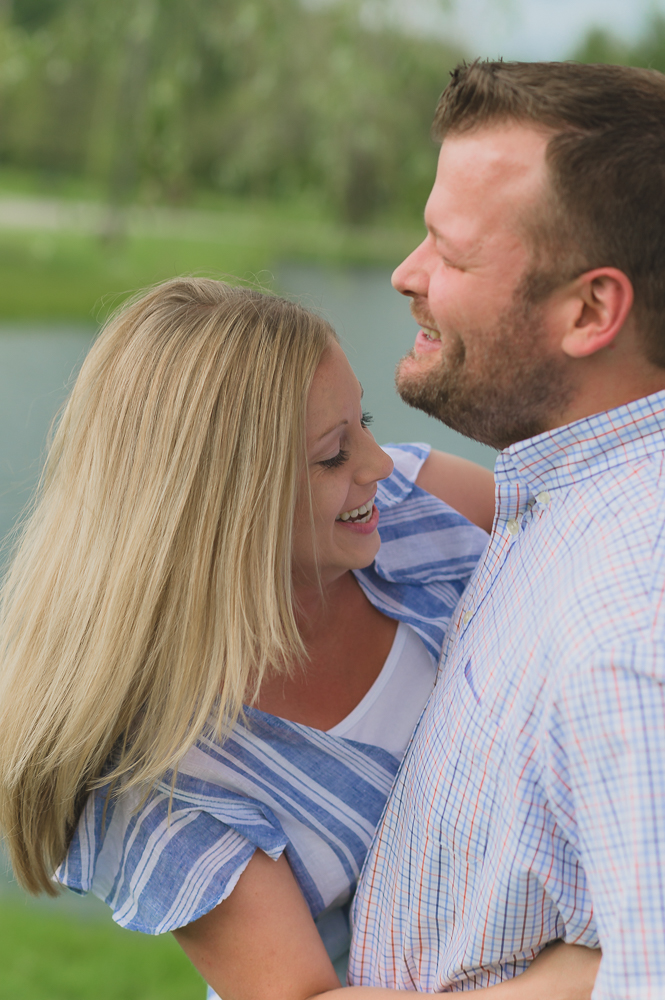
{"type": "Point", "coordinates": [362, 520]}
{"type": "Point", "coordinates": [358, 515]}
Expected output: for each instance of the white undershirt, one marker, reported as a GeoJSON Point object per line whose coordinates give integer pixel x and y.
{"type": "Point", "coordinates": [387, 714]}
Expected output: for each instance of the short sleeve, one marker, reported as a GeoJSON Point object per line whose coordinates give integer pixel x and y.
{"type": "Point", "coordinates": [160, 863]}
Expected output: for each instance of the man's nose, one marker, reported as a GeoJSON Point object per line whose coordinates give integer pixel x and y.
{"type": "Point", "coordinates": [411, 278]}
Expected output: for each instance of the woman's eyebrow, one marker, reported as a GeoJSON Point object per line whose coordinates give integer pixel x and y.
{"type": "Point", "coordinates": [342, 423]}
{"type": "Point", "coordinates": [326, 433]}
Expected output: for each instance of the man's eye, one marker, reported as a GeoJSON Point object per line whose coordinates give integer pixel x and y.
{"type": "Point", "coordinates": [366, 418]}
{"type": "Point", "coordinates": [338, 459]}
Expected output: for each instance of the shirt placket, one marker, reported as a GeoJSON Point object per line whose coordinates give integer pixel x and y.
{"type": "Point", "coordinates": [513, 501]}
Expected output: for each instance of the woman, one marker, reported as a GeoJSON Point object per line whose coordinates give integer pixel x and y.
{"type": "Point", "coordinates": [205, 537]}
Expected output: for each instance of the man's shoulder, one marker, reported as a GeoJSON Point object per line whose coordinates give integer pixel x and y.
{"type": "Point", "coordinates": [612, 565]}
{"type": "Point", "coordinates": [624, 504]}
{"type": "Point", "coordinates": [603, 493]}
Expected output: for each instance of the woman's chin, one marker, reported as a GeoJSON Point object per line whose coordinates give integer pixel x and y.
{"type": "Point", "coordinates": [358, 550]}
{"type": "Point", "coordinates": [349, 546]}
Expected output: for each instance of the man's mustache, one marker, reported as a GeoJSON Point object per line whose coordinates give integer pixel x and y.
{"type": "Point", "coordinates": [422, 315]}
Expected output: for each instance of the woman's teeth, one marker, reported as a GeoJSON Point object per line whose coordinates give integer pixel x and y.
{"type": "Point", "coordinates": [359, 515]}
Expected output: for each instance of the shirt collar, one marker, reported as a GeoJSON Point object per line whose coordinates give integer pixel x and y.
{"type": "Point", "coordinates": [586, 447]}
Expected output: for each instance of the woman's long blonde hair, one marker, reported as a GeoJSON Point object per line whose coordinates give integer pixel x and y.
{"type": "Point", "coordinates": [152, 583]}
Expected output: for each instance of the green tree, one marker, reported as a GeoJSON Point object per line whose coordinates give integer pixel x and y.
{"type": "Point", "coordinates": [253, 97]}
{"type": "Point", "coordinates": [649, 51]}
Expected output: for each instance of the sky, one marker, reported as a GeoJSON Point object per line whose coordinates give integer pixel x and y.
{"type": "Point", "coordinates": [524, 29]}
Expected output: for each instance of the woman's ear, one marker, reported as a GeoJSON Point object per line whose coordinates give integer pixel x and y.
{"type": "Point", "coordinates": [599, 303]}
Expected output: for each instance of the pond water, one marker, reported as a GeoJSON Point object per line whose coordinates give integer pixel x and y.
{"type": "Point", "coordinates": [36, 366]}
{"type": "Point", "coordinates": [38, 363]}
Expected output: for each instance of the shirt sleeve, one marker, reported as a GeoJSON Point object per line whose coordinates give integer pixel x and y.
{"type": "Point", "coordinates": [162, 862]}
{"type": "Point", "coordinates": [606, 742]}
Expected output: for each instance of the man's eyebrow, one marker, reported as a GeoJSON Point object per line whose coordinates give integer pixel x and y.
{"type": "Point", "coordinates": [441, 237]}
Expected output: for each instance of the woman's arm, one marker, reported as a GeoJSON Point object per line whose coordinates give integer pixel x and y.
{"type": "Point", "coordinates": [464, 485]}
{"type": "Point", "coordinates": [262, 944]}
{"type": "Point", "coordinates": [560, 972]}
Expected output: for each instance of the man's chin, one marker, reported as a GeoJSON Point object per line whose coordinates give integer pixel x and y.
{"type": "Point", "coordinates": [416, 386]}
{"type": "Point", "coordinates": [408, 375]}
{"type": "Point", "coordinates": [414, 368]}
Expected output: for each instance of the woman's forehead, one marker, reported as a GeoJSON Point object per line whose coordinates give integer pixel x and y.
{"type": "Point", "coordinates": [334, 395]}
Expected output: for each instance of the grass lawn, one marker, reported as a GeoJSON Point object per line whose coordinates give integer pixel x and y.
{"type": "Point", "coordinates": [53, 956]}
{"type": "Point", "coordinates": [67, 273]}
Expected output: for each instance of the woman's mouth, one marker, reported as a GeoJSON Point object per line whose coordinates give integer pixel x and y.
{"type": "Point", "coordinates": [362, 520]}
{"type": "Point", "coordinates": [359, 515]}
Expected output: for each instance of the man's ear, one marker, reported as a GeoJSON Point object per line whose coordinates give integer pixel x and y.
{"type": "Point", "coordinates": [598, 305]}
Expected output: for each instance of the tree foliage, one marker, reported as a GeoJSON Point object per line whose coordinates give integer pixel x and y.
{"type": "Point", "coordinates": [252, 97]}
{"type": "Point", "coordinates": [601, 46]}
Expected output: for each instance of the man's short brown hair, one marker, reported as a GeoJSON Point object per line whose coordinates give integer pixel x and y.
{"type": "Point", "coordinates": [606, 161]}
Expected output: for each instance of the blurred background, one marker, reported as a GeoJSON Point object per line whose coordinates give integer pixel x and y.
{"type": "Point", "coordinates": [284, 142]}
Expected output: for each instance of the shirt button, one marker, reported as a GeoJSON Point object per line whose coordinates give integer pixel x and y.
{"type": "Point", "coordinates": [466, 617]}
{"type": "Point", "coordinates": [513, 526]}
{"type": "Point", "coordinates": [543, 497]}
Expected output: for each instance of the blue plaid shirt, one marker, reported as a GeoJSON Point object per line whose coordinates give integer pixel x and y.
{"type": "Point", "coordinates": [531, 802]}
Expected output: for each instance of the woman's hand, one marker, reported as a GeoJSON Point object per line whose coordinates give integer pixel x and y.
{"type": "Point", "coordinates": [560, 972]}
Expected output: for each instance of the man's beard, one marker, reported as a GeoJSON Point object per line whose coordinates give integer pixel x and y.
{"type": "Point", "coordinates": [512, 392]}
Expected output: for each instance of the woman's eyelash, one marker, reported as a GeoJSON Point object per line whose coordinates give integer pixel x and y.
{"type": "Point", "coordinates": [338, 459]}
{"type": "Point", "coordinates": [342, 455]}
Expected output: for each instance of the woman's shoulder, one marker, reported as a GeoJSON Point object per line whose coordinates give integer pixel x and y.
{"type": "Point", "coordinates": [423, 539]}
{"type": "Point", "coordinates": [428, 551]}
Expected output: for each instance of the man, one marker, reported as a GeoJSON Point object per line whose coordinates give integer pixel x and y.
{"type": "Point", "coordinates": [531, 805]}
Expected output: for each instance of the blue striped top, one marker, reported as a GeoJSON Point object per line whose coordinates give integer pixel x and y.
{"type": "Point", "coordinates": [273, 784]}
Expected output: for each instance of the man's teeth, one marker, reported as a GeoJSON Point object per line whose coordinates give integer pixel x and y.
{"type": "Point", "coordinates": [431, 334]}
{"type": "Point", "coordinates": [360, 515]}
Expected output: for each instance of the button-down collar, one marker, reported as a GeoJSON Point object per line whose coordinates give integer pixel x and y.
{"type": "Point", "coordinates": [568, 454]}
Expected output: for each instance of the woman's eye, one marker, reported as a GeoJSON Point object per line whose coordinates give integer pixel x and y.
{"type": "Point", "coordinates": [338, 459]}
{"type": "Point", "coordinates": [366, 418]}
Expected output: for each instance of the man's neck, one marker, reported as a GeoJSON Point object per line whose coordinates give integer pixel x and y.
{"type": "Point", "coordinates": [607, 381]}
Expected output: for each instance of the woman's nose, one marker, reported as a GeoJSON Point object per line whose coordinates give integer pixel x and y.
{"type": "Point", "coordinates": [378, 465]}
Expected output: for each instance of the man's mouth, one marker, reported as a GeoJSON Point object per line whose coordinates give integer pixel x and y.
{"type": "Point", "coordinates": [427, 343]}
{"type": "Point", "coordinates": [359, 515]}
{"type": "Point", "coordinates": [425, 321]}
